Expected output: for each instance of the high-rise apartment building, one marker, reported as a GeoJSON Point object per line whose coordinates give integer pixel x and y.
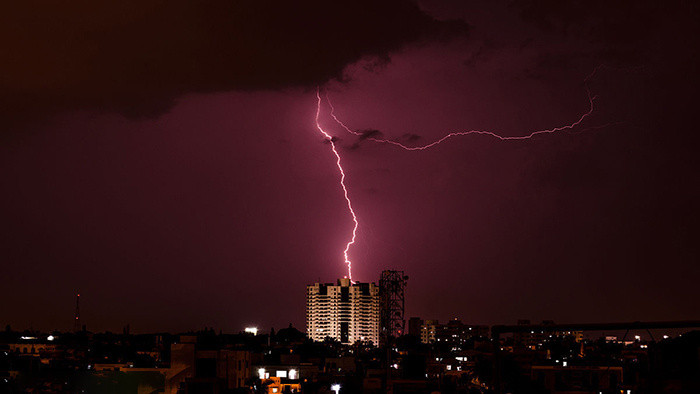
{"type": "Point", "coordinates": [348, 312]}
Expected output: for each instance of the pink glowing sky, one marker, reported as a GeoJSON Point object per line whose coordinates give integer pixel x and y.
{"type": "Point", "coordinates": [214, 205]}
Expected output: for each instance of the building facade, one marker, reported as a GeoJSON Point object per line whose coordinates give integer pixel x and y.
{"type": "Point", "coordinates": [428, 331]}
{"type": "Point", "coordinates": [454, 332]}
{"type": "Point", "coordinates": [535, 338]}
{"type": "Point", "coordinates": [345, 311]}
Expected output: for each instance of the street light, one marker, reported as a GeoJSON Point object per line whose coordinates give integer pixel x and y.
{"type": "Point", "coordinates": [336, 388]}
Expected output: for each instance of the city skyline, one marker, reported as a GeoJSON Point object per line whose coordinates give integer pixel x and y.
{"type": "Point", "coordinates": [166, 163]}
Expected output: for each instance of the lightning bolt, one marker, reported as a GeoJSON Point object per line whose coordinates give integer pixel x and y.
{"type": "Point", "coordinates": [330, 139]}
{"type": "Point", "coordinates": [591, 101]}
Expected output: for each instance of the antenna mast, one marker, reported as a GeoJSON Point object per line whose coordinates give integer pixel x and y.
{"type": "Point", "coordinates": [76, 322]}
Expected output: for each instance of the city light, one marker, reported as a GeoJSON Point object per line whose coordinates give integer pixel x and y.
{"type": "Point", "coordinates": [176, 159]}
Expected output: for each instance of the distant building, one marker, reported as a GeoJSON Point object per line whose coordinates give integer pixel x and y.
{"type": "Point", "coordinates": [31, 348]}
{"type": "Point", "coordinates": [278, 385]}
{"type": "Point", "coordinates": [279, 378]}
{"type": "Point", "coordinates": [535, 338]}
{"type": "Point", "coordinates": [578, 379]}
{"type": "Point", "coordinates": [414, 326]}
{"type": "Point", "coordinates": [428, 331]}
{"type": "Point", "coordinates": [454, 332]}
{"type": "Point", "coordinates": [195, 370]}
{"type": "Point", "coordinates": [347, 312]}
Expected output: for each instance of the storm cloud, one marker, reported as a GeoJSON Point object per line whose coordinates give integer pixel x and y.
{"type": "Point", "coordinates": [137, 57]}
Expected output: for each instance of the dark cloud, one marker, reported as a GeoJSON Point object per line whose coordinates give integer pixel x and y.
{"type": "Point", "coordinates": [624, 22]}
{"type": "Point", "coordinates": [623, 31]}
{"type": "Point", "coordinates": [137, 57]}
{"type": "Point", "coordinates": [371, 133]}
{"type": "Point", "coordinates": [410, 137]}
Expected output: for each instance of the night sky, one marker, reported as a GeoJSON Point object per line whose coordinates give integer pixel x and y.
{"type": "Point", "coordinates": [162, 158]}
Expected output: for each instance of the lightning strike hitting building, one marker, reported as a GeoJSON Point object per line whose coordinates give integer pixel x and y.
{"type": "Point", "coordinates": [342, 184]}
{"type": "Point", "coordinates": [578, 122]}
